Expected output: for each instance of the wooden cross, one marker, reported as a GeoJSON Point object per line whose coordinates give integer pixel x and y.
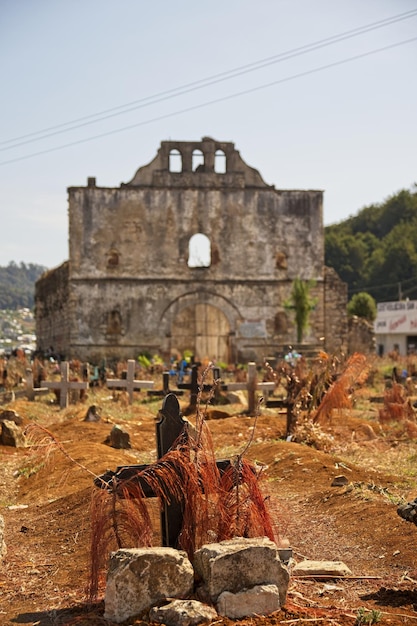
{"type": "Point", "coordinates": [65, 385]}
{"type": "Point", "coordinates": [32, 392]}
{"type": "Point", "coordinates": [251, 385]}
{"type": "Point", "coordinates": [129, 383]}
{"type": "Point", "coordinates": [195, 388]}
{"type": "Point", "coordinates": [165, 387]}
{"type": "Point", "coordinates": [168, 429]}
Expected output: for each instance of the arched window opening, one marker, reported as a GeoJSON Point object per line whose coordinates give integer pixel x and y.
{"type": "Point", "coordinates": [175, 161]}
{"type": "Point", "coordinates": [198, 160]}
{"type": "Point", "coordinates": [220, 162]}
{"type": "Point", "coordinates": [199, 251]}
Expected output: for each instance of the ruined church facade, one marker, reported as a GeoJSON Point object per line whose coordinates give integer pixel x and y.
{"type": "Point", "coordinates": [195, 253]}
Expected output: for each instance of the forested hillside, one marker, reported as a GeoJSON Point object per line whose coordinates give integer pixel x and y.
{"type": "Point", "coordinates": [376, 250]}
{"type": "Point", "coordinates": [17, 285]}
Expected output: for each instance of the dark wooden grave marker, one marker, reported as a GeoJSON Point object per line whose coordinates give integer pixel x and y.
{"type": "Point", "coordinates": [195, 388]}
{"type": "Point", "coordinates": [165, 387]}
{"type": "Point", "coordinates": [169, 428]}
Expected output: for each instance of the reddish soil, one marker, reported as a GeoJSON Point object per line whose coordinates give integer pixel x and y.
{"type": "Point", "coordinates": [44, 574]}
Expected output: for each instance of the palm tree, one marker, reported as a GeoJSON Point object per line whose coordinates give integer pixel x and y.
{"type": "Point", "coordinates": [302, 303]}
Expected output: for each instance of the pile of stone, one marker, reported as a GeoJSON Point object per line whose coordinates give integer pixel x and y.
{"type": "Point", "coordinates": [235, 578]}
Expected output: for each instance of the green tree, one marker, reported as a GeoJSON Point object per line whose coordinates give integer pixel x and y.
{"type": "Point", "coordinates": [363, 305]}
{"type": "Point", "coordinates": [376, 250]}
{"type": "Point", "coordinates": [17, 285]}
{"type": "Point", "coordinates": [302, 303]}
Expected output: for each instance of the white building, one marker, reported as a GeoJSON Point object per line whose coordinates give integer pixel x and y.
{"type": "Point", "coordinates": [396, 327]}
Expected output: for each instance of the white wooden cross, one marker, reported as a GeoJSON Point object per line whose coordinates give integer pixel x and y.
{"type": "Point", "coordinates": [251, 385]}
{"type": "Point", "coordinates": [65, 385]}
{"type": "Point", "coordinates": [129, 383]}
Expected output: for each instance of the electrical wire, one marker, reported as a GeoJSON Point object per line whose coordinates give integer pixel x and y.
{"type": "Point", "coordinates": [200, 84]}
{"type": "Point", "coordinates": [211, 102]}
{"type": "Point", "coordinates": [375, 289]}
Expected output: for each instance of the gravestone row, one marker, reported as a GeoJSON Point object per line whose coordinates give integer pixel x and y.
{"type": "Point", "coordinates": [66, 385]}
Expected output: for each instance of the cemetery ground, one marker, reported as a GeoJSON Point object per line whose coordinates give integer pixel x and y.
{"type": "Point", "coordinates": [45, 501]}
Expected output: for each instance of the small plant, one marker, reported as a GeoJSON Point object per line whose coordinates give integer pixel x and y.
{"type": "Point", "coordinates": [367, 617]}
{"type": "Point", "coordinates": [30, 470]}
{"type": "Point", "coordinates": [302, 303]}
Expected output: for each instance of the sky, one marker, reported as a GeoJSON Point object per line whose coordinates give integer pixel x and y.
{"type": "Point", "coordinates": [315, 94]}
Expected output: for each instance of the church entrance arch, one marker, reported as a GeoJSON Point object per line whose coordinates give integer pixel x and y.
{"type": "Point", "coordinates": [202, 322]}
{"type": "Point", "coordinates": [202, 329]}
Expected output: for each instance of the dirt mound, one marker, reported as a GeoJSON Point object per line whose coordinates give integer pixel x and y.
{"type": "Point", "coordinates": [46, 494]}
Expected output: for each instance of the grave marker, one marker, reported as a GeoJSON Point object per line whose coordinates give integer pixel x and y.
{"type": "Point", "coordinates": [195, 388]}
{"type": "Point", "coordinates": [129, 383]}
{"type": "Point", "coordinates": [251, 385]}
{"type": "Point", "coordinates": [31, 391]}
{"type": "Point", "coordinates": [65, 385]}
{"type": "Point", "coordinates": [169, 427]}
{"type": "Point", "coordinates": [165, 387]}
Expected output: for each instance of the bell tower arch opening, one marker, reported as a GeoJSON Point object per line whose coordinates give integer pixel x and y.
{"type": "Point", "coordinates": [220, 165]}
{"type": "Point", "coordinates": [197, 160]}
{"type": "Point", "coordinates": [175, 161]}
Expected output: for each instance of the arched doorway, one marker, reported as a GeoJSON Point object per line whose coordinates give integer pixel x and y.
{"type": "Point", "coordinates": [203, 329]}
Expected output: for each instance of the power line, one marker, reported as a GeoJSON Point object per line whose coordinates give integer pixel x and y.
{"type": "Point", "coordinates": [211, 102]}
{"type": "Point", "coordinates": [388, 285]}
{"type": "Point", "coordinates": [199, 84]}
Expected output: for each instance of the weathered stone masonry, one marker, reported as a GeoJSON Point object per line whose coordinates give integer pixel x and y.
{"type": "Point", "coordinates": [134, 282]}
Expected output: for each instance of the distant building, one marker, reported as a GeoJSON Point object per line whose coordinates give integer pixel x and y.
{"type": "Point", "coordinates": [396, 327]}
{"type": "Point", "coordinates": [195, 253]}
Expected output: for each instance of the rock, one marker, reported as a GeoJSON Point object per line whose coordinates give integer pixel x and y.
{"type": "Point", "coordinates": [183, 613]}
{"type": "Point", "coordinates": [408, 511]}
{"type": "Point", "coordinates": [119, 438]}
{"type": "Point", "coordinates": [139, 578]}
{"type": "Point", "coordinates": [236, 397]}
{"type": "Point", "coordinates": [11, 416]}
{"type": "Point", "coordinates": [92, 414]}
{"type": "Point", "coordinates": [8, 396]}
{"type": "Point", "coordinates": [12, 435]}
{"type": "Point", "coordinates": [240, 563]}
{"type": "Point", "coordinates": [339, 481]}
{"type": "Point", "coordinates": [3, 548]}
{"type": "Point", "coordinates": [260, 600]}
{"type": "Point", "coordinates": [321, 568]}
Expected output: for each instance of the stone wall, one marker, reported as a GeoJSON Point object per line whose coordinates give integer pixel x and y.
{"type": "Point", "coordinates": [52, 310]}
{"type": "Point", "coordinates": [335, 306]}
{"type": "Point", "coordinates": [361, 335]}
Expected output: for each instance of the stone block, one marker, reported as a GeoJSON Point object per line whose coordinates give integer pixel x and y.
{"type": "Point", "coordinates": [183, 613]}
{"type": "Point", "coordinates": [260, 600]}
{"type": "Point", "coordinates": [241, 563]}
{"type": "Point", "coordinates": [139, 578]}
{"type": "Point", "coordinates": [321, 568]}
